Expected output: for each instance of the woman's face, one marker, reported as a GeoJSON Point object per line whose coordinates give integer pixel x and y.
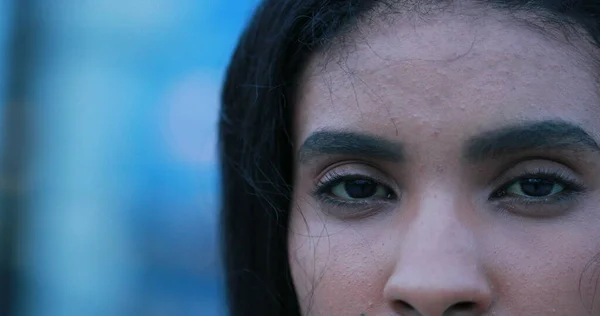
{"type": "Point", "coordinates": [449, 167]}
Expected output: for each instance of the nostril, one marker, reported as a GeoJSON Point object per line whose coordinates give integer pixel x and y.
{"type": "Point", "coordinates": [403, 306]}
{"type": "Point", "coordinates": [462, 307]}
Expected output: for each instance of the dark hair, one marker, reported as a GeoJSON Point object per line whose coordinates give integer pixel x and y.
{"type": "Point", "coordinates": [256, 149]}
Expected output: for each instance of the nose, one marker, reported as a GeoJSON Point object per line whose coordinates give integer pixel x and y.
{"type": "Point", "coordinates": [437, 271]}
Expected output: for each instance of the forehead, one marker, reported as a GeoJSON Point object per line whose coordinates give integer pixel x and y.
{"type": "Point", "coordinates": [458, 75]}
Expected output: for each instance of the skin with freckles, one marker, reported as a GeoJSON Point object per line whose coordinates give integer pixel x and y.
{"type": "Point", "coordinates": [448, 167]}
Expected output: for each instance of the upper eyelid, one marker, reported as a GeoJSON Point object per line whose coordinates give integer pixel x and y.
{"type": "Point", "coordinates": [355, 167]}
{"type": "Point", "coordinates": [568, 181]}
{"type": "Point", "coordinates": [327, 178]}
{"type": "Point", "coordinates": [534, 165]}
{"type": "Point", "coordinates": [339, 178]}
{"type": "Point", "coordinates": [541, 174]}
{"type": "Point", "coordinates": [555, 162]}
{"type": "Point", "coordinates": [554, 173]}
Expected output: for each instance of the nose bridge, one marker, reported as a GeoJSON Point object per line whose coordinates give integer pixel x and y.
{"type": "Point", "coordinates": [437, 266]}
{"type": "Point", "coordinates": [442, 226]}
{"type": "Point", "coordinates": [439, 239]}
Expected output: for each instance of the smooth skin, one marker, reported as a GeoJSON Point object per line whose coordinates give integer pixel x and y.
{"type": "Point", "coordinates": [448, 166]}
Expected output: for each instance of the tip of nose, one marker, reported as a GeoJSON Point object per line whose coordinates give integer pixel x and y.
{"type": "Point", "coordinates": [440, 296]}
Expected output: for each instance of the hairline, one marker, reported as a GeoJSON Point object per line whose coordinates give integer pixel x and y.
{"type": "Point", "coordinates": [340, 45]}
{"type": "Point", "coordinates": [554, 27]}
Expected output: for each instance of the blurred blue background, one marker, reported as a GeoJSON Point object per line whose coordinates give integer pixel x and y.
{"type": "Point", "coordinates": [117, 187]}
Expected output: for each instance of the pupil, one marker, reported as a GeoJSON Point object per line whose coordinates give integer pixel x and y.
{"type": "Point", "coordinates": [360, 189]}
{"type": "Point", "coordinates": [537, 187]}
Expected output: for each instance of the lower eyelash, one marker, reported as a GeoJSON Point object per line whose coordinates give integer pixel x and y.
{"type": "Point", "coordinates": [340, 203]}
{"type": "Point", "coordinates": [349, 209]}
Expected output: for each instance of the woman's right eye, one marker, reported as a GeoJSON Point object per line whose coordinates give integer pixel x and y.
{"type": "Point", "coordinates": [359, 189]}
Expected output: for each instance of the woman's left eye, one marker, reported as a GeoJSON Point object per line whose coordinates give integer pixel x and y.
{"type": "Point", "coordinates": [533, 188]}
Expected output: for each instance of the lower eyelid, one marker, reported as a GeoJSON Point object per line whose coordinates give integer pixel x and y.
{"type": "Point", "coordinates": [352, 209]}
{"type": "Point", "coordinates": [553, 206]}
{"type": "Point", "coordinates": [540, 209]}
{"type": "Point", "coordinates": [543, 200]}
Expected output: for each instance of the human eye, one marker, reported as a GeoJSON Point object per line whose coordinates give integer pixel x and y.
{"type": "Point", "coordinates": [536, 187]}
{"type": "Point", "coordinates": [354, 188]}
{"type": "Point", "coordinates": [353, 193]}
{"type": "Point", "coordinates": [539, 192]}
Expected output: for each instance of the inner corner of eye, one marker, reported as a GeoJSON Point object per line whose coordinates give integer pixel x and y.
{"type": "Point", "coordinates": [498, 193]}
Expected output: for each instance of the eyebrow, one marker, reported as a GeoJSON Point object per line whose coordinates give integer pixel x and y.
{"type": "Point", "coordinates": [540, 135]}
{"type": "Point", "coordinates": [323, 143]}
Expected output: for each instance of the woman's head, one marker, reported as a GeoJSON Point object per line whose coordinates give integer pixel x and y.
{"type": "Point", "coordinates": [414, 158]}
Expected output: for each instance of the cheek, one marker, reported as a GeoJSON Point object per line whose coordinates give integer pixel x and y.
{"type": "Point", "coordinates": [336, 270]}
{"type": "Point", "coordinates": [544, 268]}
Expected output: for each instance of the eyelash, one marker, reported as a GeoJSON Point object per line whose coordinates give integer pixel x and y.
{"type": "Point", "coordinates": [571, 188]}
{"type": "Point", "coordinates": [331, 180]}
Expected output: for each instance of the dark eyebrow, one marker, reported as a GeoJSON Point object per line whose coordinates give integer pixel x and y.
{"type": "Point", "coordinates": [349, 143]}
{"type": "Point", "coordinates": [540, 135]}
